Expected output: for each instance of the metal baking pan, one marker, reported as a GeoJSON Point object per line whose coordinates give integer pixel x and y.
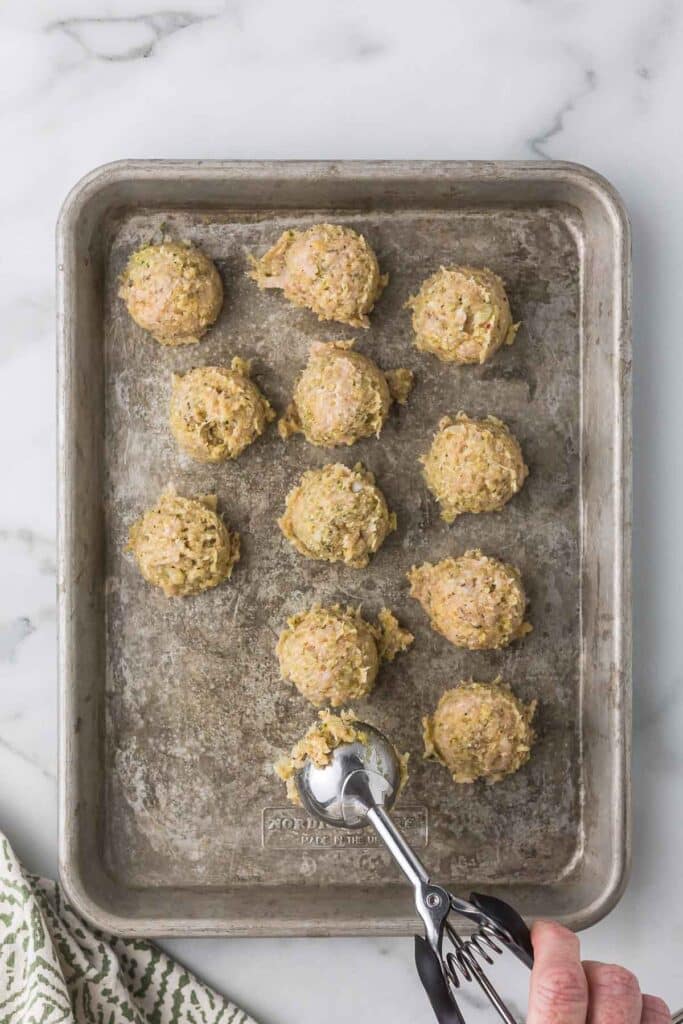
{"type": "Point", "coordinates": [172, 712]}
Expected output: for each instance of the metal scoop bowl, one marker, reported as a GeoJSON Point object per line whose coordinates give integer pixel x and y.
{"type": "Point", "coordinates": [358, 787]}
{"type": "Point", "coordinates": [359, 777]}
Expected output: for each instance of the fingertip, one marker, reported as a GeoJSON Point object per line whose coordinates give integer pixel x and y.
{"type": "Point", "coordinates": [549, 938]}
{"type": "Point", "coordinates": [655, 1011]}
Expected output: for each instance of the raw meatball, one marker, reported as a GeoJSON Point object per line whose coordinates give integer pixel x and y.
{"type": "Point", "coordinates": [474, 601]}
{"type": "Point", "coordinates": [480, 731]}
{"type": "Point", "coordinates": [332, 655]}
{"type": "Point", "coordinates": [473, 466]}
{"type": "Point", "coordinates": [173, 291]}
{"type": "Point", "coordinates": [342, 396]}
{"type": "Point", "coordinates": [337, 514]}
{"type": "Point", "coordinates": [217, 412]}
{"type": "Point", "coordinates": [462, 315]}
{"type": "Point", "coordinates": [317, 745]}
{"type": "Point", "coordinates": [329, 269]}
{"type": "Point", "coordinates": [183, 546]}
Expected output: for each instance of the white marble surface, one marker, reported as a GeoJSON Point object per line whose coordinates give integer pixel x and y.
{"type": "Point", "coordinates": [598, 81]}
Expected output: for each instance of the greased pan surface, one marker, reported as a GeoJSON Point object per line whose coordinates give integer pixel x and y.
{"type": "Point", "coordinates": [173, 712]}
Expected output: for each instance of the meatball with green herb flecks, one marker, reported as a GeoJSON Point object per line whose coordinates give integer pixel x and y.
{"type": "Point", "coordinates": [480, 731]}
{"type": "Point", "coordinates": [173, 291]}
{"type": "Point", "coordinates": [183, 546]}
{"type": "Point", "coordinates": [217, 412]}
{"type": "Point", "coordinates": [337, 514]}
{"type": "Point", "coordinates": [473, 466]}
{"type": "Point", "coordinates": [332, 654]}
{"type": "Point", "coordinates": [474, 601]}
{"type": "Point", "coordinates": [342, 396]}
{"type": "Point", "coordinates": [328, 269]}
{"type": "Point", "coordinates": [462, 315]}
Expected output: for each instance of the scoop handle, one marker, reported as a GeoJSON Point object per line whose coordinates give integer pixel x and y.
{"type": "Point", "coordinates": [432, 904]}
{"type": "Point", "coordinates": [406, 858]}
{"type": "Point", "coordinates": [503, 916]}
{"type": "Point", "coordinates": [431, 976]}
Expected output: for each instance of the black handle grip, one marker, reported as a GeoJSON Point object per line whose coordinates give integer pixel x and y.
{"type": "Point", "coordinates": [429, 969]}
{"type": "Point", "coordinates": [505, 917]}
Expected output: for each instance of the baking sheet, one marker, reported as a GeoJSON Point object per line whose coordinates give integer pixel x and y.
{"type": "Point", "coordinates": [193, 711]}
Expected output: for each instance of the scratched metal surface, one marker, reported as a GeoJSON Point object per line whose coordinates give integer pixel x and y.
{"type": "Point", "coordinates": [195, 713]}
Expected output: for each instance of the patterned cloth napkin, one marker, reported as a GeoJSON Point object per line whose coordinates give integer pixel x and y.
{"type": "Point", "coordinates": [55, 968]}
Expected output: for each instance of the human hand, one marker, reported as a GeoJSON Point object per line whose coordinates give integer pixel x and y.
{"type": "Point", "coordinates": [564, 990]}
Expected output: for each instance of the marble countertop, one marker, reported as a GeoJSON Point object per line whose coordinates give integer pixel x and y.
{"type": "Point", "coordinates": [595, 81]}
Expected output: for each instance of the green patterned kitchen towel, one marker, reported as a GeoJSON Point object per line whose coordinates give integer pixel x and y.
{"type": "Point", "coordinates": [55, 968]}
